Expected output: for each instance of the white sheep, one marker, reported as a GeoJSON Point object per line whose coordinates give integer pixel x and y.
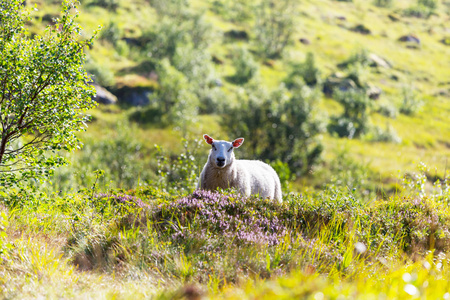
{"type": "Point", "coordinates": [249, 177]}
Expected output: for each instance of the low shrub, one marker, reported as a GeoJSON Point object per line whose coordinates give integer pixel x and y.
{"type": "Point", "coordinates": [306, 70]}
{"type": "Point", "coordinates": [245, 65]}
{"type": "Point", "coordinates": [111, 5]}
{"type": "Point", "coordinates": [389, 135]}
{"type": "Point", "coordinates": [227, 217]}
{"type": "Point", "coordinates": [354, 121]}
{"type": "Point", "coordinates": [410, 103]}
{"type": "Point", "coordinates": [423, 9]}
{"type": "Point", "coordinates": [384, 3]}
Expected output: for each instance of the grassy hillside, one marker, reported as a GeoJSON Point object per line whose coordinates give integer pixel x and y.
{"type": "Point", "coordinates": [354, 120]}
{"type": "Point", "coordinates": [419, 73]}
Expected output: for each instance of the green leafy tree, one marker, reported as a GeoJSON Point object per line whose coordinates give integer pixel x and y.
{"type": "Point", "coordinates": [179, 44]}
{"type": "Point", "coordinates": [384, 3]}
{"type": "Point", "coordinates": [234, 10]}
{"type": "Point", "coordinates": [44, 92]}
{"type": "Point", "coordinates": [295, 128]}
{"type": "Point", "coordinates": [175, 99]}
{"type": "Point", "coordinates": [282, 126]}
{"type": "Point", "coordinates": [274, 26]}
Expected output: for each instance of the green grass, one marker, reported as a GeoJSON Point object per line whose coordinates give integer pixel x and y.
{"type": "Point", "coordinates": [328, 243]}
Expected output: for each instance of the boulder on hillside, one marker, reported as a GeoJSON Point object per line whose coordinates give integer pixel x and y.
{"type": "Point", "coordinates": [133, 41]}
{"type": "Point", "coordinates": [394, 17]}
{"type": "Point", "coordinates": [377, 61]}
{"type": "Point", "coordinates": [216, 60]}
{"type": "Point", "coordinates": [237, 34]}
{"type": "Point", "coordinates": [373, 92]}
{"type": "Point", "coordinates": [443, 93]}
{"type": "Point", "coordinates": [305, 41]}
{"type": "Point", "coordinates": [103, 96]}
{"type": "Point", "coordinates": [50, 18]}
{"type": "Point", "coordinates": [337, 81]}
{"type": "Point", "coordinates": [446, 41]}
{"type": "Point", "coordinates": [361, 28]}
{"type": "Point", "coordinates": [410, 38]}
{"type": "Point", "coordinates": [134, 96]}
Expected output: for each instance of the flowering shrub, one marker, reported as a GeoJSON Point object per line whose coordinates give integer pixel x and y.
{"type": "Point", "coordinates": [422, 223]}
{"type": "Point", "coordinates": [204, 214]}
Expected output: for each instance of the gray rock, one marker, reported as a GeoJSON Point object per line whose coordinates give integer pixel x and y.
{"type": "Point", "coordinates": [134, 96]}
{"type": "Point", "coordinates": [374, 92]}
{"type": "Point", "coordinates": [394, 17]}
{"type": "Point", "coordinates": [103, 96]}
{"type": "Point", "coordinates": [376, 61]}
{"type": "Point", "coordinates": [305, 41]}
{"type": "Point", "coordinates": [337, 81]}
{"type": "Point", "coordinates": [446, 41]}
{"type": "Point", "coordinates": [410, 39]}
{"type": "Point", "coordinates": [361, 28]}
{"type": "Point", "coordinates": [237, 34]}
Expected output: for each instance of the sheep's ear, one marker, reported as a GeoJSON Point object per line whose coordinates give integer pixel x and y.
{"type": "Point", "coordinates": [238, 142]}
{"type": "Point", "coordinates": [208, 139]}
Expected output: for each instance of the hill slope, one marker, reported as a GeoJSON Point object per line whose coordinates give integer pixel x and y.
{"type": "Point", "coordinates": [416, 73]}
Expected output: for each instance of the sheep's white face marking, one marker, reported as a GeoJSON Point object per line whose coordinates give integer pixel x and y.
{"type": "Point", "coordinates": [221, 154]}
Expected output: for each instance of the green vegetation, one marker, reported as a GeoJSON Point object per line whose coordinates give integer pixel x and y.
{"type": "Point", "coordinates": [44, 93]}
{"type": "Point", "coordinates": [347, 100]}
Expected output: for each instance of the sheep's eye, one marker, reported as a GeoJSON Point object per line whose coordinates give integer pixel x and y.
{"type": "Point", "coordinates": [214, 147]}
{"type": "Point", "coordinates": [229, 150]}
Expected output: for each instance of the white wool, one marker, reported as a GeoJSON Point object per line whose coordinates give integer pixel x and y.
{"type": "Point", "coordinates": [249, 177]}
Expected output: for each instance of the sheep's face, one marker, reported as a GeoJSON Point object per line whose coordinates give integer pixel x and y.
{"type": "Point", "coordinates": [221, 154]}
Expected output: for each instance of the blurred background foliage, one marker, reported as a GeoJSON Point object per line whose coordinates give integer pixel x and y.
{"type": "Point", "coordinates": [297, 81]}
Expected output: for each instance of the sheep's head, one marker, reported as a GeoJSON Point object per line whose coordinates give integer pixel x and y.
{"type": "Point", "coordinates": [221, 154]}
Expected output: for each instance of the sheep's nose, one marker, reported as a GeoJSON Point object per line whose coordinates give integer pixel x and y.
{"type": "Point", "coordinates": [220, 161]}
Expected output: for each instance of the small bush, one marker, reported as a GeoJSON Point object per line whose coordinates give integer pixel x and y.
{"type": "Point", "coordinates": [423, 9]}
{"type": "Point", "coordinates": [179, 174]}
{"type": "Point", "coordinates": [355, 119]}
{"type": "Point", "coordinates": [387, 109]}
{"type": "Point", "coordinates": [111, 33]}
{"type": "Point", "coordinates": [245, 66]}
{"type": "Point", "coordinates": [175, 97]}
{"type": "Point", "coordinates": [233, 10]}
{"type": "Point", "coordinates": [177, 9]}
{"type": "Point", "coordinates": [170, 33]}
{"type": "Point", "coordinates": [384, 3]}
{"type": "Point", "coordinates": [274, 27]}
{"type": "Point", "coordinates": [307, 70]}
{"type": "Point", "coordinates": [358, 58]}
{"type": "Point", "coordinates": [388, 135]}
{"type": "Point", "coordinates": [410, 104]}
{"type": "Point", "coordinates": [111, 5]}
{"type": "Point", "coordinates": [244, 220]}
